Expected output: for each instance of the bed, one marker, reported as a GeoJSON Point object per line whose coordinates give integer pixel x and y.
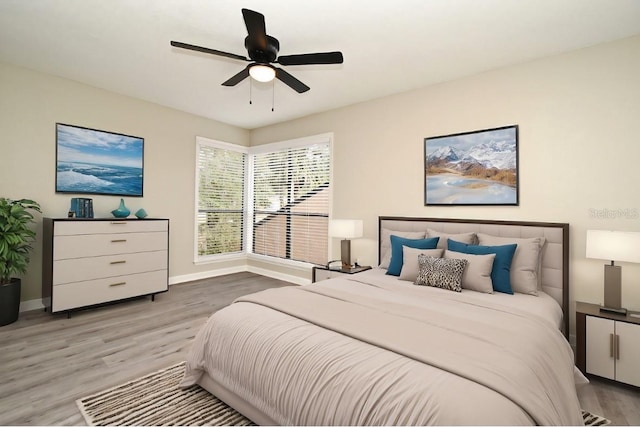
{"type": "Point", "coordinates": [376, 349]}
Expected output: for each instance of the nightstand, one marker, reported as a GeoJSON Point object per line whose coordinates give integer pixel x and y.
{"type": "Point", "coordinates": [607, 344]}
{"type": "Point", "coordinates": [323, 273]}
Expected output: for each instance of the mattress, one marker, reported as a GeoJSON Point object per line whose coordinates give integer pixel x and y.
{"type": "Point", "coordinates": [373, 350]}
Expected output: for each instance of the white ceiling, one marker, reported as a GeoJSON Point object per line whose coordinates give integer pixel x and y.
{"type": "Point", "coordinates": [388, 46]}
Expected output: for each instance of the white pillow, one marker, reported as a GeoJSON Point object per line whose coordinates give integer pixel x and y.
{"type": "Point", "coordinates": [469, 238]}
{"type": "Point", "coordinates": [410, 265]}
{"type": "Point", "coordinates": [477, 275]}
{"type": "Point", "coordinates": [525, 266]}
{"type": "Point", "coordinates": [385, 243]}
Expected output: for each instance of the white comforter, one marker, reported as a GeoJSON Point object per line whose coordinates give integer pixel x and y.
{"type": "Point", "coordinates": [366, 351]}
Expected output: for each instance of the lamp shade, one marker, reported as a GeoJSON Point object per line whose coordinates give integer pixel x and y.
{"type": "Point", "coordinates": [345, 228]}
{"type": "Point", "coordinates": [613, 245]}
{"type": "Point", "coordinates": [262, 73]}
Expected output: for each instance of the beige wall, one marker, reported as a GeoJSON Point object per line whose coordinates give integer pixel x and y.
{"type": "Point", "coordinates": [579, 148]}
{"type": "Point", "coordinates": [30, 105]}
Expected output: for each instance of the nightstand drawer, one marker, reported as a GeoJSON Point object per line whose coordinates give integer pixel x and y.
{"type": "Point", "coordinates": [323, 274]}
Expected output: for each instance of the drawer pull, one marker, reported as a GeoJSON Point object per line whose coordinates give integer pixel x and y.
{"type": "Point", "coordinates": [119, 241]}
{"type": "Point", "coordinates": [117, 262]}
{"type": "Point", "coordinates": [611, 345]}
{"type": "Point", "coordinates": [119, 222]}
{"type": "Point", "coordinates": [118, 284]}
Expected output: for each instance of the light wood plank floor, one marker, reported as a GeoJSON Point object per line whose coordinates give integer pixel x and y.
{"type": "Point", "coordinates": [47, 362]}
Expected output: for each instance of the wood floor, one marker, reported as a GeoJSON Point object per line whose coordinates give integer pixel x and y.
{"type": "Point", "coordinates": [47, 362]}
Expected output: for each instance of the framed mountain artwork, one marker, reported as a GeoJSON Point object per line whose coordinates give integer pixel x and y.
{"type": "Point", "coordinates": [472, 168]}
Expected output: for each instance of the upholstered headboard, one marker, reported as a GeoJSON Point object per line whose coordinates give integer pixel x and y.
{"type": "Point", "coordinates": [555, 253]}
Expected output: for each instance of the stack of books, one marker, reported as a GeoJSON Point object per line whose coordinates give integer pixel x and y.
{"type": "Point", "coordinates": [81, 207]}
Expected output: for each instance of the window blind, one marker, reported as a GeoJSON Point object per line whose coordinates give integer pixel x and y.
{"type": "Point", "coordinates": [220, 199]}
{"type": "Point", "coordinates": [291, 195]}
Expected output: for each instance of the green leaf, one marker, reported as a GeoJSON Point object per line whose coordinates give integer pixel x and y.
{"type": "Point", "coordinates": [16, 236]}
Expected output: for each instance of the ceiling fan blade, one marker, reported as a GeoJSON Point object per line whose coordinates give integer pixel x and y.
{"type": "Point", "coordinates": [312, 58]}
{"type": "Point", "coordinates": [207, 50]}
{"type": "Point", "coordinates": [237, 78]}
{"type": "Point", "coordinates": [291, 81]}
{"type": "Point", "coordinates": [255, 27]}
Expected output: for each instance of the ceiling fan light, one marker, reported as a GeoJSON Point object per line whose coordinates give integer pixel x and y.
{"type": "Point", "coordinates": [262, 73]}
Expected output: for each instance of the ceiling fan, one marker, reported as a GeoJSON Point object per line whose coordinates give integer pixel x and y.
{"type": "Point", "coordinates": [263, 52]}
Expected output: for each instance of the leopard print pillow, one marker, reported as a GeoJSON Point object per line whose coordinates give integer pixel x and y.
{"type": "Point", "coordinates": [441, 272]}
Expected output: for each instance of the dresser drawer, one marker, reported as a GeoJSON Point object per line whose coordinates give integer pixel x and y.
{"type": "Point", "coordinates": [80, 294]}
{"type": "Point", "coordinates": [89, 245]}
{"type": "Point", "coordinates": [71, 227]}
{"type": "Point", "coordinates": [82, 269]}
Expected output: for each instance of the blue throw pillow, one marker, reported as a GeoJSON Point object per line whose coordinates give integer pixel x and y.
{"type": "Point", "coordinates": [500, 275]}
{"type": "Point", "coordinates": [397, 259]}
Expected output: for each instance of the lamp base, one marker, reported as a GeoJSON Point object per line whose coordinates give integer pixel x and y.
{"type": "Point", "coordinates": [622, 311]}
{"type": "Point", "coordinates": [613, 287]}
{"type": "Point", "coordinates": [345, 253]}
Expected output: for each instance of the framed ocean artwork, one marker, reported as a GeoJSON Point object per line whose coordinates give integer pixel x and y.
{"type": "Point", "coordinates": [91, 161]}
{"type": "Point", "coordinates": [472, 168]}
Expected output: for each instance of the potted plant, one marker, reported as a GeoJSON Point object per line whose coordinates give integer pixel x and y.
{"type": "Point", "coordinates": [16, 237]}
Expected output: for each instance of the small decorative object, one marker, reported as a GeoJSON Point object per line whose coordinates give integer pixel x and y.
{"type": "Point", "coordinates": [141, 213]}
{"type": "Point", "coordinates": [81, 207]}
{"type": "Point", "coordinates": [122, 211]}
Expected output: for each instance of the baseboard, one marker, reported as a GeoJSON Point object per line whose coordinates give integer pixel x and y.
{"type": "Point", "coordinates": [32, 304]}
{"type": "Point", "coordinates": [206, 274]}
{"type": "Point", "coordinates": [280, 276]}
{"type": "Point", "coordinates": [239, 269]}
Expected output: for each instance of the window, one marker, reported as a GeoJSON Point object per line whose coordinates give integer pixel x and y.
{"type": "Point", "coordinates": [220, 178]}
{"type": "Point", "coordinates": [282, 190]}
{"type": "Point", "coordinates": [291, 195]}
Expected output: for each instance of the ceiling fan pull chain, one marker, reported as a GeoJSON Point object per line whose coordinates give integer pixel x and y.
{"type": "Point", "coordinates": [250, 93]}
{"type": "Point", "coordinates": [273, 94]}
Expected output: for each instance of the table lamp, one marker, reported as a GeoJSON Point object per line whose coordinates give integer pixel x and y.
{"type": "Point", "coordinates": [345, 229]}
{"type": "Point", "coordinates": [613, 246]}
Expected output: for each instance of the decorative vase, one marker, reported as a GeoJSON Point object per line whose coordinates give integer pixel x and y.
{"type": "Point", "coordinates": [122, 211]}
{"type": "Point", "coordinates": [141, 213]}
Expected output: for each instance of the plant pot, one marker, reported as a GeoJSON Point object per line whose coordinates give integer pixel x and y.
{"type": "Point", "coordinates": [9, 301]}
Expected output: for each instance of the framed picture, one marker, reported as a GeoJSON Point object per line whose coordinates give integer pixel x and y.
{"type": "Point", "coordinates": [472, 168]}
{"type": "Point", "coordinates": [91, 161]}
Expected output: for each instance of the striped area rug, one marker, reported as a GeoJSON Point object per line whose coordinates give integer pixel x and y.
{"type": "Point", "coordinates": [594, 420]}
{"type": "Point", "coordinates": [156, 400]}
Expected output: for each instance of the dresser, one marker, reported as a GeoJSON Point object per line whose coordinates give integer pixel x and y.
{"type": "Point", "coordinates": [94, 261]}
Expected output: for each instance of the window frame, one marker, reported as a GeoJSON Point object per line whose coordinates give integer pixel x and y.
{"type": "Point", "coordinates": [247, 253]}
{"type": "Point", "coordinates": [204, 259]}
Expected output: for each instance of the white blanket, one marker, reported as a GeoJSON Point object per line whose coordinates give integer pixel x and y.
{"type": "Point", "coordinates": [346, 352]}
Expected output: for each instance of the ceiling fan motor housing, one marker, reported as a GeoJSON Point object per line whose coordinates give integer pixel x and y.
{"type": "Point", "coordinates": [259, 52]}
